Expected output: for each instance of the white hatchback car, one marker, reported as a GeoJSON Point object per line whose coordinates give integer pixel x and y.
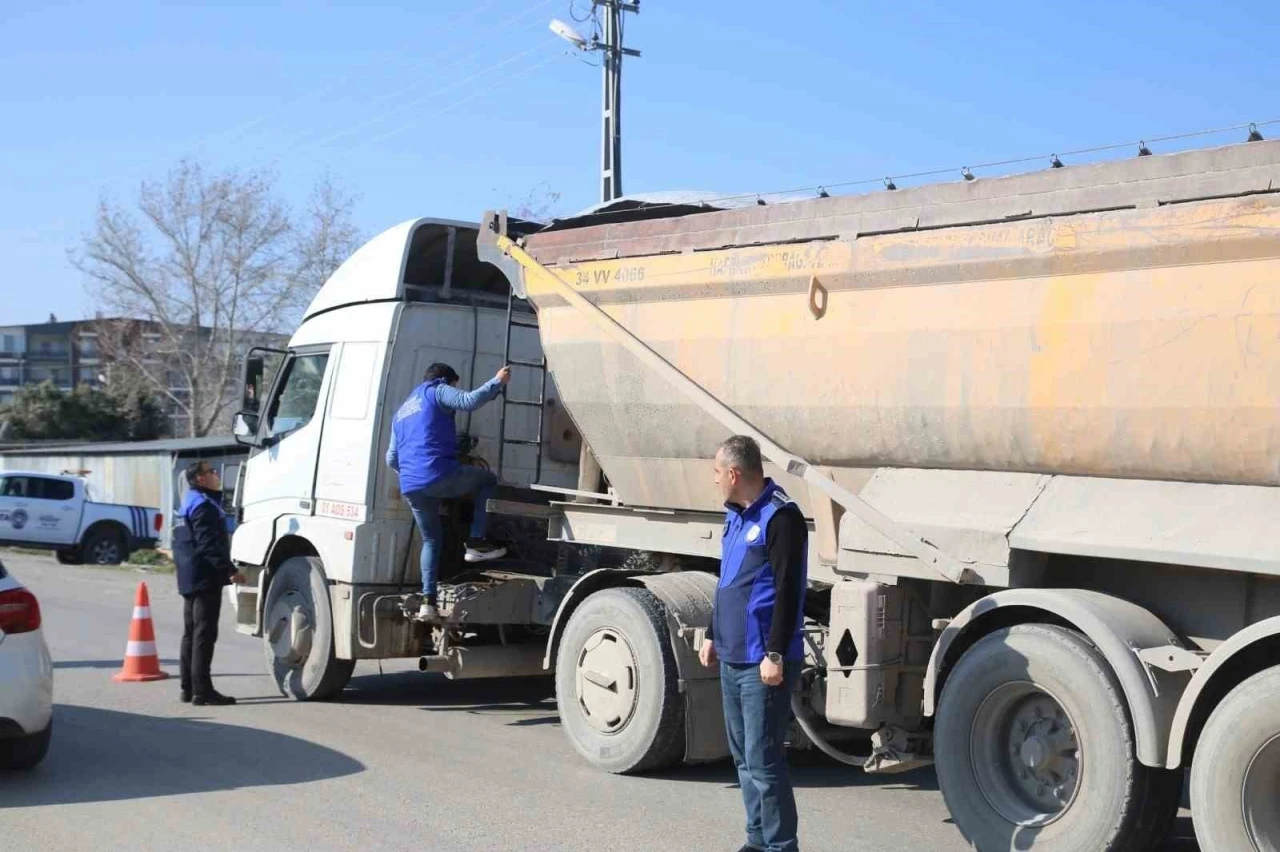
{"type": "Point", "coordinates": [26, 678]}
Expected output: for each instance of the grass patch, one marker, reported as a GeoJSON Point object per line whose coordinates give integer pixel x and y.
{"type": "Point", "coordinates": [152, 560]}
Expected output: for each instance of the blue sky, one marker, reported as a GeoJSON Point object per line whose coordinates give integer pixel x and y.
{"type": "Point", "coordinates": [444, 108]}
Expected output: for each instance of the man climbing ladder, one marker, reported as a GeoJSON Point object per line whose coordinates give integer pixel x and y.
{"type": "Point", "coordinates": [424, 453]}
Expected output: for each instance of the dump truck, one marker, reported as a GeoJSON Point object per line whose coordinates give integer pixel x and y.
{"type": "Point", "coordinates": [1030, 418]}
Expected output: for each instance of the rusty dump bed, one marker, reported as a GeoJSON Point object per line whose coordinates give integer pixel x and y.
{"type": "Point", "coordinates": [1112, 320]}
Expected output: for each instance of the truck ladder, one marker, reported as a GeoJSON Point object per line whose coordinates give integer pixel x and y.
{"type": "Point", "coordinates": [921, 548]}
{"type": "Point", "coordinates": [522, 317]}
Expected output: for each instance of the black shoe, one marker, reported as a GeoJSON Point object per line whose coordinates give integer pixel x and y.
{"type": "Point", "coordinates": [213, 699]}
{"type": "Point", "coordinates": [482, 550]}
{"type": "Point", "coordinates": [747, 847]}
{"type": "Point", "coordinates": [185, 696]}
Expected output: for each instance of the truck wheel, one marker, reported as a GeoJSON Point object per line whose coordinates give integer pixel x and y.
{"type": "Point", "coordinates": [25, 752]}
{"type": "Point", "coordinates": [298, 633]}
{"type": "Point", "coordinates": [68, 556]}
{"type": "Point", "coordinates": [103, 546]}
{"type": "Point", "coordinates": [616, 683]}
{"type": "Point", "coordinates": [1235, 775]}
{"type": "Point", "coordinates": [1034, 747]}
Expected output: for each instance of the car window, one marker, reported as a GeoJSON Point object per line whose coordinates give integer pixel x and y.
{"type": "Point", "coordinates": [14, 486]}
{"type": "Point", "coordinates": [295, 405]}
{"type": "Point", "coordinates": [51, 489]}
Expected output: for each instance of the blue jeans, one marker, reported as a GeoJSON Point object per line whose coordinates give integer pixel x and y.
{"type": "Point", "coordinates": [756, 719]}
{"type": "Point", "coordinates": [425, 504]}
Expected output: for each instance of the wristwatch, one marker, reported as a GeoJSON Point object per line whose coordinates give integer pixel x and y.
{"type": "Point", "coordinates": [774, 657]}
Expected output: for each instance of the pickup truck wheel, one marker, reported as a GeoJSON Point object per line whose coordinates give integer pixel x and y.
{"type": "Point", "coordinates": [104, 546]}
{"type": "Point", "coordinates": [616, 683]}
{"type": "Point", "coordinates": [1235, 774]}
{"type": "Point", "coordinates": [68, 556]}
{"type": "Point", "coordinates": [298, 633]}
{"type": "Point", "coordinates": [21, 753]}
{"type": "Point", "coordinates": [1034, 748]}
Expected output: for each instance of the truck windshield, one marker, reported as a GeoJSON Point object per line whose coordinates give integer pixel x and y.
{"type": "Point", "coordinates": [295, 403]}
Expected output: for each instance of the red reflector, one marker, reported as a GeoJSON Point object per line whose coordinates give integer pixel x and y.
{"type": "Point", "coordinates": [19, 611]}
{"type": "Point", "coordinates": [159, 521]}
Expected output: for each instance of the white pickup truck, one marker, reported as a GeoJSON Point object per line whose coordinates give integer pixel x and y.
{"type": "Point", "coordinates": [55, 512]}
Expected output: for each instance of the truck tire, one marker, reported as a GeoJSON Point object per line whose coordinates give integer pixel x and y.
{"type": "Point", "coordinates": [1235, 774]}
{"type": "Point", "coordinates": [104, 545]}
{"type": "Point", "coordinates": [298, 633]}
{"type": "Point", "coordinates": [22, 753]}
{"type": "Point", "coordinates": [616, 683]}
{"type": "Point", "coordinates": [1035, 748]}
{"type": "Point", "coordinates": [68, 556]}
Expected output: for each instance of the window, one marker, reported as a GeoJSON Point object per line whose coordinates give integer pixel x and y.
{"type": "Point", "coordinates": [10, 344]}
{"type": "Point", "coordinates": [51, 489]}
{"type": "Point", "coordinates": [13, 486]}
{"type": "Point", "coordinates": [37, 488]}
{"type": "Point", "coordinates": [295, 404]}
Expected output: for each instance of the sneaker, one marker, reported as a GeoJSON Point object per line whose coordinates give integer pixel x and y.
{"type": "Point", "coordinates": [483, 550]}
{"type": "Point", "coordinates": [213, 699]}
{"type": "Point", "coordinates": [428, 612]}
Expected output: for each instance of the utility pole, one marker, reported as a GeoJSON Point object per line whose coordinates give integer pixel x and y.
{"type": "Point", "coordinates": [612, 48]}
{"type": "Point", "coordinates": [611, 148]}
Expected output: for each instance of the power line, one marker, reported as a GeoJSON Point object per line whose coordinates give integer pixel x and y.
{"type": "Point", "coordinates": [356, 128]}
{"type": "Point", "coordinates": [476, 94]}
{"type": "Point", "coordinates": [458, 58]}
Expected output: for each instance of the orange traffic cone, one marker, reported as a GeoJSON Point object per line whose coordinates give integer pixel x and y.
{"type": "Point", "coordinates": [140, 660]}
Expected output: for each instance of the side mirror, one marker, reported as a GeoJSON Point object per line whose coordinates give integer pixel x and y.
{"type": "Point", "coordinates": [245, 428]}
{"type": "Point", "coordinates": [251, 388]}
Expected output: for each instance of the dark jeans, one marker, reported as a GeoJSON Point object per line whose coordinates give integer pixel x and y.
{"type": "Point", "coordinates": [200, 614]}
{"type": "Point", "coordinates": [425, 504]}
{"type": "Point", "coordinates": [756, 719]}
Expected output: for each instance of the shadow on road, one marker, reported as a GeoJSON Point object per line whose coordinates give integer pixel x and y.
{"type": "Point", "coordinates": [108, 756]}
{"type": "Point", "coordinates": [808, 769]}
{"type": "Point", "coordinates": [437, 692]}
{"type": "Point", "coordinates": [99, 664]}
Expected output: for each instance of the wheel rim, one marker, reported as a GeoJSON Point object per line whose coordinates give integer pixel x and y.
{"type": "Point", "coordinates": [606, 681]}
{"type": "Point", "coordinates": [291, 625]}
{"type": "Point", "coordinates": [105, 552]}
{"type": "Point", "coordinates": [1259, 797]}
{"type": "Point", "coordinates": [1025, 755]}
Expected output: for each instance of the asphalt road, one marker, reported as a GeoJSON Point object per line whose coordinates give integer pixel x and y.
{"type": "Point", "coordinates": [404, 761]}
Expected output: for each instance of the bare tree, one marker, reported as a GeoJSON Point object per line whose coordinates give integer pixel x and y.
{"type": "Point", "coordinates": [205, 267]}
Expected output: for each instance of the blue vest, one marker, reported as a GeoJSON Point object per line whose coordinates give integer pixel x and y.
{"type": "Point", "coordinates": [199, 571]}
{"type": "Point", "coordinates": [426, 439]}
{"type": "Point", "coordinates": [745, 594]}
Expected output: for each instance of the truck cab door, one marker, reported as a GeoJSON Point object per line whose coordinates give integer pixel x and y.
{"type": "Point", "coordinates": [279, 479]}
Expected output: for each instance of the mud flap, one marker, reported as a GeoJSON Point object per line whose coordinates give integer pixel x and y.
{"type": "Point", "coordinates": [705, 738]}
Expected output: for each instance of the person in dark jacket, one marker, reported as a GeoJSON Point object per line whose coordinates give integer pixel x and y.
{"type": "Point", "coordinates": [202, 551]}
{"type": "Point", "coordinates": [424, 454]}
{"type": "Point", "coordinates": [756, 634]}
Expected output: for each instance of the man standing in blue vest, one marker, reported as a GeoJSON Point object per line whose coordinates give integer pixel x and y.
{"type": "Point", "coordinates": [202, 552]}
{"type": "Point", "coordinates": [756, 635]}
{"type": "Point", "coordinates": [424, 452]}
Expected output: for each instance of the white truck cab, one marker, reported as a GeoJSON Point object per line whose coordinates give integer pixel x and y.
{"type": "Point", "coordinates": [322, 530]}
